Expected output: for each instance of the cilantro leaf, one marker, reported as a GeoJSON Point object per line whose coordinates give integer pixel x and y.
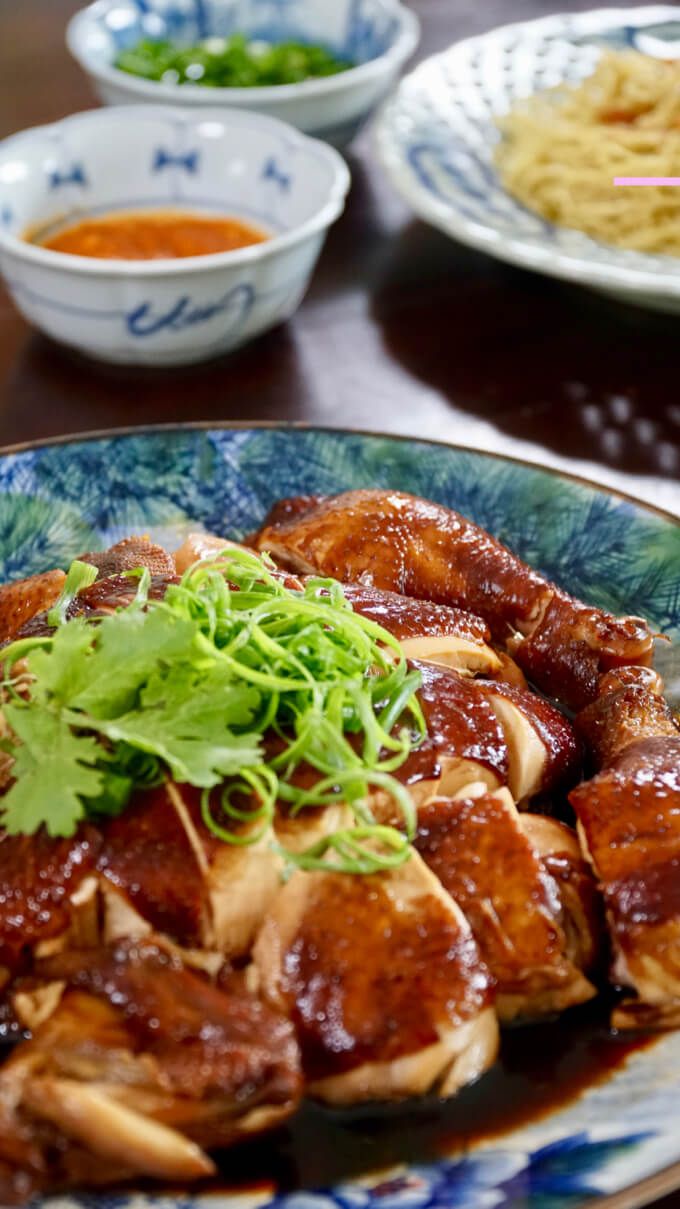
{"type": "Point", "coordinates": [128, 650]}
{"type": "Point", "coordinates": [62, 670]}
{"type": "Point", "coordinates": [53, 770]}
{"type": "Point", "coordinates": [184, 718]}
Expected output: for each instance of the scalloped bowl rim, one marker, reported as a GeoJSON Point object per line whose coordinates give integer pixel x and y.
{"type": "Point", "coordinates": [516, 249]}
{"type": "Point", "coordinates": [404, 44]}
{"type": "Point", "coordinates": [325, 215]}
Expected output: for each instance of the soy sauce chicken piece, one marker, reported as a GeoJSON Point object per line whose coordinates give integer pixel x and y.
{"type": "Point", "coordinates": [544, 752]}
{"type": "Point", "coordinates": [100, 599]}
{"type": "Point", "coordinates": [383, 980]}
{"type": "Point", "coordinates": [24, 598]}
{"type": "Point", "coordinates": [477, 846]}
{"type": "Point", "coordinates": [629, 824]}
{"type": "Point", "coordinates": [481, 730]}
{"type": "Point", "coordinates": [28, 600]}
{"type": "Point", "coordinates": [390, 540]}
{"type": "Point", "coordinates": [155, 868]}
{"type": "Point", "coordinates": [141, 1068]}
{"type": "Point", "coordinates": [429, 632]}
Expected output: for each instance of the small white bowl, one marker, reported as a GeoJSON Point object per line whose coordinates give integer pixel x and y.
{"type": "Point", "coordinates": [378, 35]}
{"type": "Point", "coordinates": [165, 312]}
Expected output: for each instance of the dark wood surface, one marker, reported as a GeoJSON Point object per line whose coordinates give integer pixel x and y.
{"type": "Point", "coordinates": [402, 330]}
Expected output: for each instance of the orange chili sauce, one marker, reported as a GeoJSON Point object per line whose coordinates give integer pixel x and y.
{"type": "Point", "coordinates": [153, 235]}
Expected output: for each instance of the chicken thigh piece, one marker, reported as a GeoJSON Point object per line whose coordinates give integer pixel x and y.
{"type": "Point", "coordinates": [141, 1068]}
{"type": "Point", "coordinates": [383, 981]}
{"type": "Point", "coordinates": [477, 847]}
{"type": "Point", "coordinates": [390, 540]}
{"type": "Point", "coordinates": [629, 825]}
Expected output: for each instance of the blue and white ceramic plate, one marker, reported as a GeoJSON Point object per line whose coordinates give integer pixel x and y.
{"type": "Point", "coordinates": [437, 137]}
{"type": "Point", "coordinates": [58, 500]}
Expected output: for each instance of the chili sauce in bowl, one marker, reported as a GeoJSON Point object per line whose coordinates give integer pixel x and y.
{"type": "Point", "coordinates": [150, 235]}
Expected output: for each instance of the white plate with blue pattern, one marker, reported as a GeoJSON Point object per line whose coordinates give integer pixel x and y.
{"type": "Point", "coordinates": [437, 137]}
{"type": "Point", "coordinates": [618, 1144]}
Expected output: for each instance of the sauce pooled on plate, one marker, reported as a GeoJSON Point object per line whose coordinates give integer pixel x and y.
{"type": "Point", "coordinates": [153, 235]}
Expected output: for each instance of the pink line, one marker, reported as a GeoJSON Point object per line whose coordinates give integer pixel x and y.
{"type": "Point", "coordinates": [647, 180]}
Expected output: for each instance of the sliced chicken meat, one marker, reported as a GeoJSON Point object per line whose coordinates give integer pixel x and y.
{"type": "Point", "coordinates": [477, 847]}
{"type": "Point", "coordinates": [582, 913]}
{"type": "Point", "coordinates": [429, 632]}
{"type": "Point", "coordinates": [141, 1068]}
{"type": "Point", "coordinates": [389, 540]}
{"type": "Point", "coordinates": [240, 880]}
{"type": "Point", "coordinates": [24, 603]}
{"type": "Point", "coordinates": [102, 597]}
{"type": "Point", "coordinates": [198, 547]}
{"type": "Point", "coordinates": [154, 868]}
{"type": "Point", "coordinates": [465, 741]}
{"type": "Point", "coordinates": [543, 749]}
{"type": "Point", "coordinates": [629, 823]}
{"type": "Point", "coordinates": [488, 731]}
{"type": "Point", "coordinates": [383, 981]}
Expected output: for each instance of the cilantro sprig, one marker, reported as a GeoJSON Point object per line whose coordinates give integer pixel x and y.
{"type": "Point", "coordinates": [188, 688]}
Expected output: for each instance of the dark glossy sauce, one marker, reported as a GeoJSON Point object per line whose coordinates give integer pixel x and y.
{"type": "Point", "coordinates": [542, 1069]}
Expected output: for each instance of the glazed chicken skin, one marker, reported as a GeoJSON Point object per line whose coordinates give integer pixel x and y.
{"type": "Point", "coordinates": [629, 823]}
{"type": "Point", "coordinates": [383, 981]}
{"type": "Point", "coordinates": [478, 848]}
{"type": "Point", "coordinates": [141, 1066]}
{"type": "Point", "coordinates": [481, 730]}
{"type": "Point", "coordinates": [390, 540]}
{"type": "Point", "coordinates": [24, 603]}
{"type": "Point", "coordinates": [22, 599]}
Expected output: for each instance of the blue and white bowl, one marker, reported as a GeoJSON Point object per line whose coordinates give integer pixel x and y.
{"type": "Point", "coordinates": [165, 312]}
{"type": "Point", "coordinates": [437, 138]}
{"type": "Point", "coordinates": [377, 35]}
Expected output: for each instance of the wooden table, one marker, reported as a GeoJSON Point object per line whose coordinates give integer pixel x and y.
{"type": "Point", "coordinates": [402, 330]}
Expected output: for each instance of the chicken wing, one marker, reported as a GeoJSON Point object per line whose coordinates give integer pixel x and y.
{"type": "Point", "coordinates": [383, 981]}
{"type": "Point", "coordinates": [393, 541]}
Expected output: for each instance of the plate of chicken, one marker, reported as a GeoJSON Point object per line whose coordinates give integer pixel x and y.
{"type": "Point", "coordinates": [339, 827]}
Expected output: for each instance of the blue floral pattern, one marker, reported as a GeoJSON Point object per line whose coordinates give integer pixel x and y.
{"type": "Point", "coordinates": [560, 1175]}
{"type": "Point", "coordinates": [58, 500]}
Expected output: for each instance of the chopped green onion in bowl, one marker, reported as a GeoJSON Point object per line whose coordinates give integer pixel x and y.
{"type": "Point", "coordinates": [233, 62]}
